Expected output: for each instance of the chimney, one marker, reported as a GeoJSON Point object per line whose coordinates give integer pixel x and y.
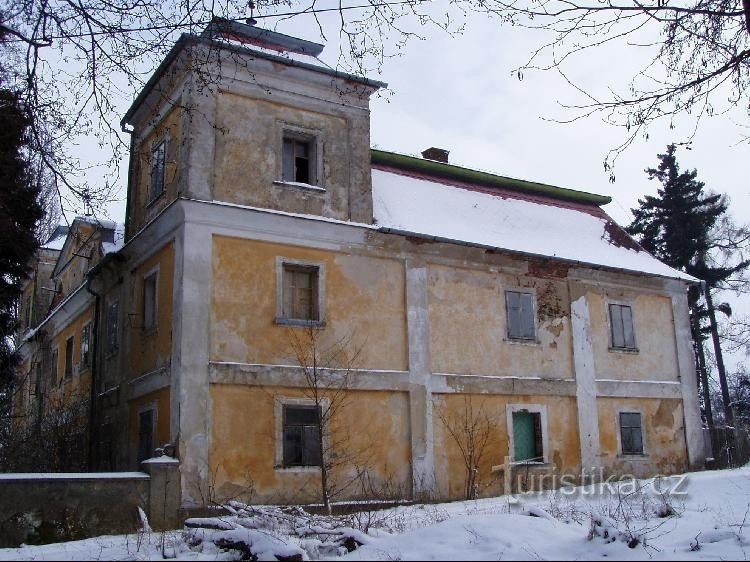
{"type": "Point", "coordinates": [437, 154]}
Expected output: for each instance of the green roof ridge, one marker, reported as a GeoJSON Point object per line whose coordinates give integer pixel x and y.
{"type": "Point", "coordinates": [451, 171]}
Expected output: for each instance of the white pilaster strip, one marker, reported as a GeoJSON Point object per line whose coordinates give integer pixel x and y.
{"type": "Point", "coordinates": [191, 367]}
{"type": "Point", "coordinates": [688, 383]}
{"type": "Point", "coordinates": [583, 358]}
{"type": "Point", "coordinates": [420, 395]}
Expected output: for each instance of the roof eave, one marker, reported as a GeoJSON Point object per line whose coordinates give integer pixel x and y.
{"type": "Point", "coordinates": [186, 39]}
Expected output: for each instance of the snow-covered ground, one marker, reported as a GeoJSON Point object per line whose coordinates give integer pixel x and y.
{"type": "Point", "coordinates": [706, 518]}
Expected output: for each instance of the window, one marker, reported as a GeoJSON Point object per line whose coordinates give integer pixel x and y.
{"type": "Point", "coordinates": [69, 357]}
{"type": "Point", "coordinates": [86, 346]}
{"type": "Point", "coordinates": [53, 368]}
{"type": "Point", "coordinates": [146, 434]}
{"type": "Point", "coordinates": [300, 292]}
{"type": "Point", "coordinates": [527, 437]}
{"type": "Point", "coordinates": [28, 312]}
{"type": "Point", "coordinates": [520, 313]}
{"type": "Point", "coordinates": [38, 378]}
{"type": "Point", "coordinates": [113, 311]}
{"type": "Point", "coordinates": [621, 326]}
{"type": "Point", "coordinates": [298, 160]}
{"type": "Point", "coordinates": [301, 436]}
{"type": "Point", "coordinates": [149, 301]}
{"type": "Point", "coordinates": [156, 184]}
{"type": "Point", "coordinates": [631, 433]}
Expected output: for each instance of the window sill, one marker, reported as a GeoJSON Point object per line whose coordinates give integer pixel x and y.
{"type": "Point", "coordinates": [523, 341]}
{"type": "Point", "coordinates": [300, 185]}
{"type": "Point", "coordinates": [529, 464]}
{"type": "Point", "coordinates": [625, 350]}
{"type": "Point", "coordinates": [297, 469]}
{"type": "Point", "coordinates": [299, 323]}
{"type": "Point", "coordinates": [634, 457]}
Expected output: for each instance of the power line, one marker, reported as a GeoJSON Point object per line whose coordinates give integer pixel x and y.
{"type": "Point", "coordinates": [175, 26]}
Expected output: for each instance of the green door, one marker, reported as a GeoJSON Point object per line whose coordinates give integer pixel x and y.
{"type": "Point", "coordinates": [523, 436]}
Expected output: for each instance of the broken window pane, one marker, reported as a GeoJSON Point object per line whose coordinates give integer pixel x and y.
{"type": "Point", "coordinates": [300, 292]}
{"type": "Point", "coordinates": [297, 160]}
{"type": "Point", "coordinates": [301, 436]}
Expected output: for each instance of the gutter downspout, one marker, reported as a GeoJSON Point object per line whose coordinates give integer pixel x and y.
{"type": "Point", "coordinates": [93, 346]}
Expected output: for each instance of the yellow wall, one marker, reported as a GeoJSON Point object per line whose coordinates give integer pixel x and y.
{"type": "Point", "coordinates": [663, 434]}
{"type": "Point", "coordinates": [363, 297]}
{"type": "Point", "coordinates": [372, 426]}
{"type": "Point", "coordinates": [77, 386]}
{"type": "Point", "coordinates": [563, 452]}
{"type": "Point", "coordinates": [140, 209]}
{"type": "Point", "coordinates": [468, 333]}
{"type": "Point", "coordinates": [654, 336]}
{"type": "Point", "coordinates": [151, 350]}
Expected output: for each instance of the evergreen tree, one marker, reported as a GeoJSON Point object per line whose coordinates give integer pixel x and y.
{"type": "Point", "coordinates": [20, 211]}
{"type": "Point", "coordinates": [678, 226]}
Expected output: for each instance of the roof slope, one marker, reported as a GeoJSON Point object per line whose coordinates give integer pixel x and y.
{"type": "Point", "coordinates": [517, 223]}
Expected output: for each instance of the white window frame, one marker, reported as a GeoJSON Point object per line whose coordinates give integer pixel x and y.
{"type": "Point", "coordinates": [311, 136]}
{"type": "Point", "coordinates": [607, 303]}
{"type": "Point", "coordinates": [152, 194]}
{"type": "Point", "coordinates": [278, 413]}
{"type": "Point", "coordinates": [283, 320]}
{"type": "Point", "coordinates": [633, 456]}
{"type": "Point", "coordinates": [528, 291]}
{"type": "Point", "coordinates": [540, 409]}
{"type": "Point", "coordinates": [153, 272]}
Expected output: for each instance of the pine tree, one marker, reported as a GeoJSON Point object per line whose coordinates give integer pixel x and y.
{"type": "Point", "coordinates": [678, 226]}
{"type": "Point", "coordinates": [20, 212]}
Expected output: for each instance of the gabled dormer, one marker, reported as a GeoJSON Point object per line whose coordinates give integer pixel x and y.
{"type": "Point", "coordinates": [87, 241]}
{"type": "Point", "coordinates": [247, 116]}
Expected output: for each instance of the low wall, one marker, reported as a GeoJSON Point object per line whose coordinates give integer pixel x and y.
{"type": "Point", "coordinates": [43, 508]}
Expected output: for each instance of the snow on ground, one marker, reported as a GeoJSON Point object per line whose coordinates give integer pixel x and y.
{"type": "Point", "coordinates": [643, 521]}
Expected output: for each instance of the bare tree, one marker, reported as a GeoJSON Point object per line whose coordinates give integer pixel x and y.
{"type": "Point", "coordinates": [328, 371]}
{"type": "Point", "coordinates": [698, 62]}
{"type": "Point", "coordinates": [470, 428]}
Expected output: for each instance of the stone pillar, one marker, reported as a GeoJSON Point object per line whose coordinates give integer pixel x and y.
{"type": "Point", "coordinates": [164, 492]}
{"type": "Point", "coordinates": [583, 359]}
{"type": "Point", "coordinates": [686, 365]}
{"type": "Point", "coordinates": [420, 395]}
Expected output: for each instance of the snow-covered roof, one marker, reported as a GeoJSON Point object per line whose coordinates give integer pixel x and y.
{"type": "Point", "coordinates": [56, 239]}
{"type": "Point", "coordinates": [118, 239]}
{"type": "Point", "coordinates": [581, 233]}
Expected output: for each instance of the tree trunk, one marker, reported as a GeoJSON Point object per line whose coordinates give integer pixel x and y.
{"type": "Point", "coordinates": [700, 357]}
{"type": "Point", "coordinates": [729, 417]}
